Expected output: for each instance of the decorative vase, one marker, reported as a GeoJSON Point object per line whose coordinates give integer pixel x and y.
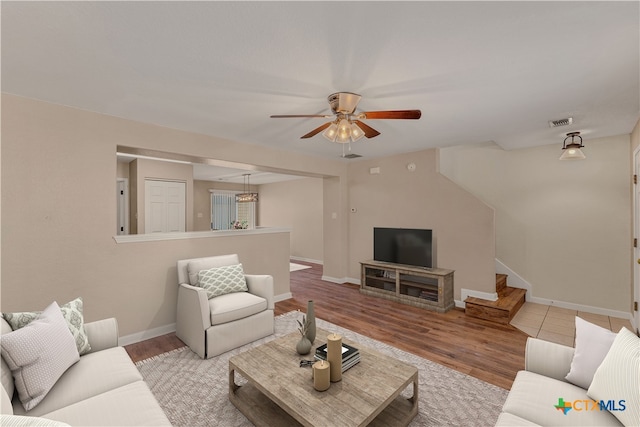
{"type": "Point", "coordinates": [303, 346]}
{"type": "Point", "coordinates": [311, 319]}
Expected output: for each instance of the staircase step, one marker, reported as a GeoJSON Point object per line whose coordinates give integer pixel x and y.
{"type": "Point", "coordinates": [501, 311]}
{"type": "Point", "coordinates": [501, 284]}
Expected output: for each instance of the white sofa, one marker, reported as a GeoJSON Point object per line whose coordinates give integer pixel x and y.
{"type": "Point", "coordinates": [104, 388]}
{"type": "Point", "coordinates": [536, 392]}
{"type": "Point", "coordinates": [212, 326]}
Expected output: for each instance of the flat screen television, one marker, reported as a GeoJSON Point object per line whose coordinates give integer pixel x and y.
{"type": "Point", "coordinates": [408, 246]}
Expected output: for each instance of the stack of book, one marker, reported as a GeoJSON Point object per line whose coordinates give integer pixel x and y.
{"type": "Point", "coordinates": [430, 295]}
{"type": "Point", "coordinates": [350, 355]}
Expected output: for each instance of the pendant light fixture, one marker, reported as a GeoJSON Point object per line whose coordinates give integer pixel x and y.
{"type": "Point", "coordinates": [246, 195]}
{"type": "Point", "coordinates": [572, 150]}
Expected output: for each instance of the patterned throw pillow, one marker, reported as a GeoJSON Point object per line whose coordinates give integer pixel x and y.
{"type": "Point", "coordinates": [72, 313]}
{"type": "Point", "coordinates": [222, 280]}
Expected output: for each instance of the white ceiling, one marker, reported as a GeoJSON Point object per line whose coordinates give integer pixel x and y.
{"type": "Point", "coordinates": [479, 71]}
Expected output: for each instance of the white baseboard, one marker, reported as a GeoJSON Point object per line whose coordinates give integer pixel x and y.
{"type": "Point", "coordinates": [580, 307]}
{"type": "Point", "coordinates": [339, 280]}
{"type": "Point", "coordinates": [489, 296]}
{"type": "Point", "coordinates": [282, 297]}
{"type": "Point", "coordinates": [314, 261]}
{"type": "Point", "coordinates": [145, 335]}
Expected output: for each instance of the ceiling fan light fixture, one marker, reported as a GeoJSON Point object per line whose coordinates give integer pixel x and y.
{"type": "Point", "coordinates": [344, 131]}
{"type": "Point", "coordinates": [356, 132]}
{"type": "Point", "coordinates": [331, 132]}
{"type": "Point", "coordinates": [572, 150]}
{"type": "Point", "coordinates": [347, 126]}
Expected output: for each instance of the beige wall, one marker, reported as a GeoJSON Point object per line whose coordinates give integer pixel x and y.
{"type": "Point", "coordinates": [123, 170]}
{"type": "Point", "coordinates": [462, 224]}
{"type": "Point", "coordinates": [563, 226]}
{"type": "Point", "coordinates": [58, 215]}
{"type": "Point", "coordinates": [296, 204]}
{"type": "Point", "coordinates": [635, 137]}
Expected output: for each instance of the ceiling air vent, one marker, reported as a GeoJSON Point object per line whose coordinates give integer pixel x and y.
{"type": "Point", "coordinates": [560, 122]}
{"type": "Point", "coordinates": [350, 156]}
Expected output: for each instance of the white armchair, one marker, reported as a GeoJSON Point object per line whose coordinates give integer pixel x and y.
{"type": "Point", "coordinates": [213, 326]}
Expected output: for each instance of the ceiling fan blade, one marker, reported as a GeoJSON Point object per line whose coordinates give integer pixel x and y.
{"type": "Point", "coordinates": [287, 116]}
{"type": "Point", "coordinates": [316, 130]}
{"type": "Point", "coordinates": [369, 132]}
{"type": "Point", "coordinates": [392, 114]}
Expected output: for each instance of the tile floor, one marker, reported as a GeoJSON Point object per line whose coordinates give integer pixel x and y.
{"type": "Point", "coordinates": [557, 324]}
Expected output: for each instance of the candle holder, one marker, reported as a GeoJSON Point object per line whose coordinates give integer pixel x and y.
{"type": "Point", "coordinates": [321, 375]}
{"type": "Point", "coordinates": [334, 356]}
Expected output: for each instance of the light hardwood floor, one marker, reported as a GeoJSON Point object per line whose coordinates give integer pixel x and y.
{"type": "Point", "coordinates": [489, 351]}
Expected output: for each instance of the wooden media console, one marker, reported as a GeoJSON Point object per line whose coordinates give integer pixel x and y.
{"type": "Point", "coordinates": [430, 288]}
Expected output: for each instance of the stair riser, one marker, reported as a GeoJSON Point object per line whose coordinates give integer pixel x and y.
{"type": "Point", "coordinates": [487, 313]}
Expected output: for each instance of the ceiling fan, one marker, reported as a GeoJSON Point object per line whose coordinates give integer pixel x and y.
{"type": "Point", "coordinates": [346, 125]}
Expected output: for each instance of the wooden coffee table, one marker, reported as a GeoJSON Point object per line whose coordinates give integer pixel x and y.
{"type": "Point", "coordinates": [279, 392]}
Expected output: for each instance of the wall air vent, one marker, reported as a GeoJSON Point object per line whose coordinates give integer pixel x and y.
{"type": "Point", "coordinates": [350, 156]}
{"type": "Point", "coordinates": [560, 122]}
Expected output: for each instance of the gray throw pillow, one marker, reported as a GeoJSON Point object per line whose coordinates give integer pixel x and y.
{"type": "Point", "coordinates": [71, 311]}
{"type": "Point", "coordinates": [39, 354]}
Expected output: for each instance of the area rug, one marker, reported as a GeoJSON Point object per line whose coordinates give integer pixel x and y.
{"type": "Point", "coordinates": [295, 267]}
{"type": "Point", "coordinates": [194, 392]}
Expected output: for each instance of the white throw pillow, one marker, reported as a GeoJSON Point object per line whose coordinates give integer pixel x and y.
{"type": "Point", "coordinates": [592, 345]}
{"type": "Point", "coordinates": [618, 379]}
{"type": "Point", "coordinates": [39, 354]}
{"type": "Point", "coordinates": [222, 280]}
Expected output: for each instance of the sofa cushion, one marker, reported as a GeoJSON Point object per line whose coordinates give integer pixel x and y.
{"type": "Point", "coordinates": [5, 401]}
{"type": "Point", "coordinates": [71, 311]}
{"type": "Point", "coordinates": [592, 345]}
{"type": "Point", "coordinates": [618, 378]}
{"type": "Point", "coordinates": [129, 405]}
{"type": "Point", "coordinates": [94, 374]}
{"type": "Point", "coordinates": [536, 398]}
{"type": "Point", "coordinates": [38, 354]}
{"type": "Point", "coordinates": [234, 306]}
{"type": "Point", "coordinates": [22, 421]}
{"type": "Point", "coordinates": [222, 280]}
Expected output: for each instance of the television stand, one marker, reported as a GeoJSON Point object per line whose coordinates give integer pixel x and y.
{"type": "Point", "coordinates": [429, 288]}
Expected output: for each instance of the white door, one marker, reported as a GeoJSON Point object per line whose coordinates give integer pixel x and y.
{"type": "Point", "coordinates": [122, 197]}
{"type": "Point", "coordinates": [636, 234]}
{"type": "Point", "coordinates": [164, 210]}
